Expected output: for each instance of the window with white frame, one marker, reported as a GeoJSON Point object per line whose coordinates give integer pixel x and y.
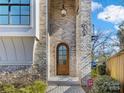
{"type": "Point", "coordinates": [15, 12]}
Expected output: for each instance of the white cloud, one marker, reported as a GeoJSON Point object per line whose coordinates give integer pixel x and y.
{"type": "Point", "coordinates": [96, 5]}
{"type": "Point", "coordinates": [113, 14]}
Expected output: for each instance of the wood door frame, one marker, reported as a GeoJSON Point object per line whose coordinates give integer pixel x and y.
{"type": "Point", "coordinates": [67, 47]}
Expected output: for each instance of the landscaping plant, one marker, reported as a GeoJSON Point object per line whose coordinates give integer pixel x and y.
{"type": "Point", "coordinates": [104, 84]}
{"type": "Point", "coordinates": [35, 87]}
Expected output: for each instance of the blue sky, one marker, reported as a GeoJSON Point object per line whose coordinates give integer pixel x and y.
{"type": "Point", "coordinates": [106, 17]}
{"type": "Point", "coordinates": [113, 18]}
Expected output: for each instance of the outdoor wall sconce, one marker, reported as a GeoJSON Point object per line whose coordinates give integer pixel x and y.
{"type": "Point", "coordinates": [63, 10]}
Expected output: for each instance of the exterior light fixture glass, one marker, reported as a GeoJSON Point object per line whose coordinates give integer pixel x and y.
{"type": "Point", "coordinates": [63, 11]}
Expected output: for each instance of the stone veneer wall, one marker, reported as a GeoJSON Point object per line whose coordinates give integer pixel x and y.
{"type": "Point", "coordinates": [63, 30]}
{"type": "Point", "coordinates": [83, 40]}
{"type": "Point", "coordinates": [18, 74]}
{"type": "Point", "coordinates": [40, 47]}
{"type": "Point", "coordinates": [9, 73]}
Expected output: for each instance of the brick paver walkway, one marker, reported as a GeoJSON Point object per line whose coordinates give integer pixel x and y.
{"type": "Point", "coordinates": [64, 89]}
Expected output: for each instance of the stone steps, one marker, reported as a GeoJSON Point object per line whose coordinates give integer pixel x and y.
{"type": "Point", "coordinates": [64, 81]}
{"type": "Point", "coordinates": [64, 84]}
{"type": "Point", "coordinates": [65, 89]}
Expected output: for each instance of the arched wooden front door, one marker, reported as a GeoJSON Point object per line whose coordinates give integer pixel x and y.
{"type": "Point", "coordinates": [62, 59]}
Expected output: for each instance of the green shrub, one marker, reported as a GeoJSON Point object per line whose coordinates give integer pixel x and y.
{"type": "Point", "coordinates": [101, 69]}
{"type": "Point", "coordinates": [103, 84]}
{"type": "Point", "coordinates": [34, 87]}
{"type": "Point", "coordinates": [94, 72]}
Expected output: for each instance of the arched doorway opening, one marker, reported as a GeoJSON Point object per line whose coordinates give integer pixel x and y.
{"type": "Point", "coordinates": [62, 59]}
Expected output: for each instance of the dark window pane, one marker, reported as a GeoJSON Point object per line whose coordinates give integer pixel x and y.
{"type": "Point", "coordinates": [60, 57]}
{"type": "Point", "coordinates": [4, 1]}
{"type": "Point", "coordinates": [64, 61]}
{"type": "Point", "coordinates": [25, 10]}
{"type": "Point", "coordinates": [15, 20]}
{"type": "Point", "coordinates": [4, 20]}
{"type": "Point", "coordinates": [60, 48]}
{"type": "Point", "coordinates": [15, 2]}
{"type": "Point", "coordinates": [64, 57]}
{"type": "Point", "coordinates": [4, 10]}
{"type": "Point", "coordinates": [25, 1]}
{"type": "Point", "coordinates": [15, 10]}
{"type": "Point", "coordinates": [64, 48]}
{"type": "Point", "coordinates": [16, 14]}
{"type": "Point", "coordinates": [64, 53]}
{"type": "Point", "coordinates": [60, 61]}
{"type": "Point", "coordinates": [25, 20]}
{"type": "Point", "coordinates": [60, 53]}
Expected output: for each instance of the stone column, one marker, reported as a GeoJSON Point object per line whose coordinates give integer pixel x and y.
{"type": "Point", "coordinates": [83, 39]}
{"type": "Point", "coordinates": [40, 46]}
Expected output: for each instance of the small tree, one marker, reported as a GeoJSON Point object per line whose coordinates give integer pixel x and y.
{"type": "Point", "coordinates": [104, 45]}
{"type": "Point", "coordinates": [121, 35]}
